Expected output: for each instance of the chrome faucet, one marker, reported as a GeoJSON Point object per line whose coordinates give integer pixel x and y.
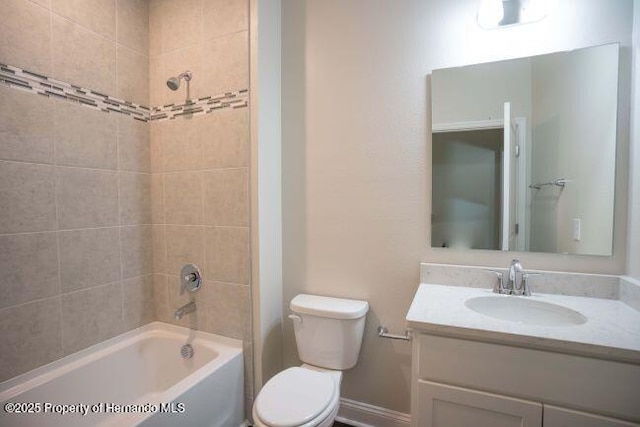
{"type": "Point", "coordinates": [517, 282]}
{"type": "Point", "coordinates": [191, 279]}
{"type": "Point", "coordinates": [514, 282]}
{"type": "Point", "coordinates": [189, 307]}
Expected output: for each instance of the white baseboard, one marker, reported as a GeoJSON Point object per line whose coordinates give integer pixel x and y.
{"type": "Point", "coordinates": [360, 414]}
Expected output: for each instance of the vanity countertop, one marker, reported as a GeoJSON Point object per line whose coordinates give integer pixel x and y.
{"type": "Point", "coordinates": [612, 329]}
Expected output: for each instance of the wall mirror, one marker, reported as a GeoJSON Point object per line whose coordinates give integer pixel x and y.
{"type": "Point", "coordinates": [524, 153]}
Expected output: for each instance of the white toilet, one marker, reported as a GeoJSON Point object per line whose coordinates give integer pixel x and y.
{"type": "Point", "coordinates": [329, 334]}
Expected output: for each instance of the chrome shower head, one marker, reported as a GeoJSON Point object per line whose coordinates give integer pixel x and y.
{"type": "Point", "coordinates": [174, 82]}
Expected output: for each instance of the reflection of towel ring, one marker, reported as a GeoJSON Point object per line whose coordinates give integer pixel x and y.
{"type": "Point", "coordinates": [560, 182]}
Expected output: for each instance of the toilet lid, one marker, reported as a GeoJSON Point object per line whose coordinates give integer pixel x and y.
{"type": "Point", "coordinates": [294, 397]}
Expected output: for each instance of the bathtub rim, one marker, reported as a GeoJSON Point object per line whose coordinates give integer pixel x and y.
{"type": "Point", "coordinates": [226, 348]}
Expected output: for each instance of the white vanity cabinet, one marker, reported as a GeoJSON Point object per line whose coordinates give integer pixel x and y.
{"type": "Point", "coordinates": [441, 405]}
{"type": "Point", "coordinates": [562, 417]}
{"type": "Point", "coordinates": [460, 383]}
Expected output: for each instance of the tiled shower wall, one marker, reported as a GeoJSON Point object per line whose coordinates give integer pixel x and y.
{"type": "Point", "coordinates": [200, 176]}
{"type": "Point", "coordinates": [75, 183]}
{"type": "Point", "coordinates": [98, 211]}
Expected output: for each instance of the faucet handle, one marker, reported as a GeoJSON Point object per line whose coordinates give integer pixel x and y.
{"type": "Point", "coordinates": [526, 289]}
{"type": "Point", "coordinates": [498, 287]}
{"type": "Point", "coordinates": [191, 279]}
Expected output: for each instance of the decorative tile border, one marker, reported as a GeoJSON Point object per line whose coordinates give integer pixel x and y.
{"type": "Point", "coordinates": [206, 105]}
{"type": "Point", "coordinates": [51, 88]}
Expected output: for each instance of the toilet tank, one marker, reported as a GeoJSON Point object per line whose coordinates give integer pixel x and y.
{"type": "Point", "coordinates": [328, 330]}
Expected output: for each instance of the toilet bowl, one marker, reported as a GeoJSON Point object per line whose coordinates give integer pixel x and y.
{"type": "Point", "coordinates": [328, 336]}
{"type": "Point", "coordinates": [303, 396]}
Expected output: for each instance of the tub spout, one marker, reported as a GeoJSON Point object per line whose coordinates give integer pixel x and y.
{"type": "Point", "coordinates": [185, 309]}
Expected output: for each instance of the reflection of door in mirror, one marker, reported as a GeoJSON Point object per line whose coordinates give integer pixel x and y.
{"type": "Point", "coordinates": [476, 168]}
{"type": "Point", "coordinates": [467, 188]}
{"type": "Point", "coordinates": [515, 224]}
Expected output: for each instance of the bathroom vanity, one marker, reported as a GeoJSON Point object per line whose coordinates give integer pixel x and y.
{"type": "Point", "coordinates": [550, 360]}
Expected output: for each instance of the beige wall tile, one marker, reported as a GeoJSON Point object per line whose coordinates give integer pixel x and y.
{"type": "Point", "coordinates": [225, 138]}
{"type": "Point", "coordinates": [227, 309]}
{"type": "Point", "coordinates": [86, 198]}
{"type": "Point", "coordinates": [155, 145]}
{"type": "Point", "coordinates": [185, 245]}
{"type": "Point", "coordinates": [181, 146]}
{"type": "Point", "coordinates": [136, 246]}
{"type": "Point", "coordinates": [133, 24]}
{"type": "Point", "coordinates": [43, 3]}
{"type": "Point", "coordinates": [161, 298]}
{"type": "Point", "coordinates": [225, 63]}
{"type": "Point", "coordinates": [85, 137]}
{"type": "Point", "coordinates": [25, 36]}
{"type": "Point", "coordinates": [227, 254]}
{"type": "Point", "coordinates": [82, 57]}
{"type": "Point", "coordinates": [181, 24]}
{"type": "Point", "coordinates": [157, 199]}
{"type": "Point", "coordinates": [133, 76]}
{"type": "Point", "coordinates": [222, 17]}
{"type": "Point", "coordinates": [133, 145]}
{"type": "Point", "coordinates": [89, 258]}
{"type": "Point", "coordinates": [29, 266]}
{"type": "Point", "coordinates": [26, 121]}
{"type": "Point", "coordinates": [226, 197]}
{"type": "Point", "coordinates": [183, 198]}
{"type": "Point", "coordinates": [159, 249]}
{"type": "Point", "coordinates": [155, 27]}
{"type": "Point", "coordinates": [174, 64]}
{"type": "Point", "coordinates": [157, 84]}
{"type": "Point", "coordinates": [26, 198]}
{"type": "Point", "coordinates": [138, 301]}
{"type": "Point", "coordinates": [91, 316]}
{"type": "Point", "coordinates": [135, 198]}
{"type": "Point", "coordinates": [30, 336]}
{"type": "Point", "coordinates": [96, 15]}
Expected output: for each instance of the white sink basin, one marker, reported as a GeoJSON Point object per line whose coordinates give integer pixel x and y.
{"type": "Point", "coordinates": [524, 310]}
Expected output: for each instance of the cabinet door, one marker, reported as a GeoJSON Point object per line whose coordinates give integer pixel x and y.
{"type": "Point", "coordinates": [560, 417]}
{"type": "Point", "coordinates": [442, 405]}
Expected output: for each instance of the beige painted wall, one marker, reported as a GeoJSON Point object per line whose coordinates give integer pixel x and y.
{"type": "Point", "coordinates": [356, 154]}
{"type": "Point", "coordinates": [74, 200]}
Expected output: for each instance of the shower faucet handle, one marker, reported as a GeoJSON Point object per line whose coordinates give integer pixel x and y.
{"type": "Point", "coordinates": [191, 278]}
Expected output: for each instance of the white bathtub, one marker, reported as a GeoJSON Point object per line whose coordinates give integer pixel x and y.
{"type": "Point", "coordinates": [143, 368]}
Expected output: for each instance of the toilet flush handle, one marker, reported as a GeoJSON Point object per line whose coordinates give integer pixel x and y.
{"type": "Point", "coordinates": [295, 318]}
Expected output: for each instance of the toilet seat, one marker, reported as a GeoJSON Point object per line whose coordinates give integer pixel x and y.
{"type": "Point", "coordinates": [296, 397]}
